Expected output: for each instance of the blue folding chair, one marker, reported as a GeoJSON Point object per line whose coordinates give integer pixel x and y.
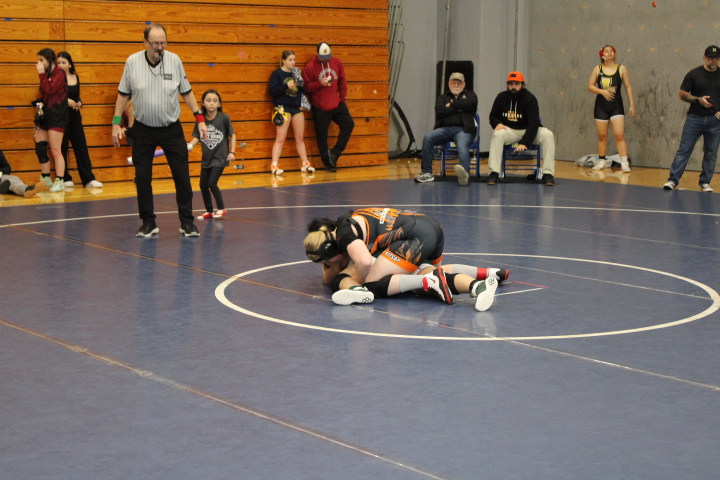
{"type": "Point", "coordinates": [449, 152]}
{"type": "Point", "coordinates": [527, 160]}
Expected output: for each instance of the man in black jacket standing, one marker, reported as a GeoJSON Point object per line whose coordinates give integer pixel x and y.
{"type": "Point", "coordinates": [454, 121]}
{"type": "Point", "coordinates": [515, 118]}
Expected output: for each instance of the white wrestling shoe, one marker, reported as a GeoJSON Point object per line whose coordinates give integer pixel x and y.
{"type": "Point", "coordinates": [354, 294]}
{"type": "Point", "coordinates": [484, 293]}
{"type": "Point", "coordinates": [500, 273]}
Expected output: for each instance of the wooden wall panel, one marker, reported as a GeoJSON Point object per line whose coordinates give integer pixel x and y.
{"type": "Point", "coordinates": [31, 30]}
{"type": "Point", "coordinates": [99, 136]}
{"type": "Point", "coordinates": [26, 74]}
{"type": "Point", "coordinates": [127, 11]}
{"type": "Point", "coordinates": [93, 94]}
{"type": "Point", "coordinates": [26, 52]}
{"type": "Point", "coordinates": [227, 54]}
{"type": "Point", "coordinates": [50, 9]}
{"type": "Point", "coordinates": [371, 4]}
{"type": "Point", "coordinates": [77, 31]}
{"type": "Point", "coordinates": [234, 55]}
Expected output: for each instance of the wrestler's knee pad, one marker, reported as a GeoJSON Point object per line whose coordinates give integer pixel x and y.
{"type": "Point", "coordinates": [335, 283]}
{"type": "Point", "coordinates": [379, 288]}
{"type": "Point", "coordinates": [41, 151]}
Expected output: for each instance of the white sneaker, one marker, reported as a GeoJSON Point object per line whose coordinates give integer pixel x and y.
{"type": "Point", "coordinates": [355, 294]}
{"type": "Point", "coordinates": [625, 166]}
{"type": "Point", "coordinates": [58, 186]}
{"type": "Point", "coordinates": [484, 293]}
{"type": "Point", "coordinates": [68, 184]}
{"type": "Point", "coordinates": [670, 185]}
{"type": "Point", "coordinates": [599, 165]}
{"type": "Point", "coordinates": [94, 184]}
{"type": "Point", "coordinates": [461, 174]}
{"type": "Point", "coordinates": [706, 187]}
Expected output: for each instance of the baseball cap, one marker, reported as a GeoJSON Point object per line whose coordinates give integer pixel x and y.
{"type": "Point", "coordinates": [323, 50]}
{"type": "Point", "coordinates": [457, 76]}
{"type": "Point", "coordinates": [712, 51]}
{"type": "Point", "coordinates": [515, 77]}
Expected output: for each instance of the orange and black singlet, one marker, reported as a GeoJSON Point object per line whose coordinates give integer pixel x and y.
{"type": "Point", "coordinates": [405, 237]}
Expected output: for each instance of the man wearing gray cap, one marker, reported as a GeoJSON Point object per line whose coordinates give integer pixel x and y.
{"type": "Point", "coordinates": [701, 89]}
{"type": "Point", "coordinates": [454, 121]}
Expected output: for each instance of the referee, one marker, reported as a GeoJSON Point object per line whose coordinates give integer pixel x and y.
{"type": "Point", "coordinates": [154, 78]}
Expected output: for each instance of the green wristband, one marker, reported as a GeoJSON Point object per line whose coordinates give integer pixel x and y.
{"type": "Point", "coordinates": [117, 120]}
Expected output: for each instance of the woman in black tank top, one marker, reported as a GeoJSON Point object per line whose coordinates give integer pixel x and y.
{"type": "Point", "coordinates": [606, 81]}
{"type": "Point", "coordinates": [74, 131]}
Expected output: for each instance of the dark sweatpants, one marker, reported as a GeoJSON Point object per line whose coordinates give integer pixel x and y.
{"type": "Point", "coordinates": [342, 117]}
{"type": "Point", "coordinates": [172, 140]}
{"type": "Point", "coordinates": [75, 134]}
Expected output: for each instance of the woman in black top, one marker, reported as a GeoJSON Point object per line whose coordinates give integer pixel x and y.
{"type": "Point", "coordinates": [606, 80]}
{"type": "Point", "coordinates": [74, 131]}
{"type": "Point", "coordinates": [286, 87]}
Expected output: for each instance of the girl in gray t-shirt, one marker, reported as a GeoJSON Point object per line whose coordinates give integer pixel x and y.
{"type": "Point", "coordinates": [218, 150]}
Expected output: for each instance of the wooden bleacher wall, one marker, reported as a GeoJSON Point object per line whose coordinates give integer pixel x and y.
{"type": "Point", "coordinates": [231, 46]}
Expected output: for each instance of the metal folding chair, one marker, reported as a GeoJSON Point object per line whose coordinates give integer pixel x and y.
{"type": "Point", "coordinates": [527, 160]}
{"type": "Point", "coordinates": [449, 152]}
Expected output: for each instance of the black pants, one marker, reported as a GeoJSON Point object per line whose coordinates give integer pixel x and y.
{"type": "Point", "coordinates": [172, 140]}
{"type": "Point", "coordinates": [75, 134]}
{"type": "Point", "coordinates": [209, 183]}
{"type": "Point", "coordinates": [342, 117]}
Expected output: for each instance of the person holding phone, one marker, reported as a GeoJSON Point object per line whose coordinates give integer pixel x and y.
{"type": "Point", "coordinates": [325, 81]}
{"type": "Point", "coordinates": [701, 89]}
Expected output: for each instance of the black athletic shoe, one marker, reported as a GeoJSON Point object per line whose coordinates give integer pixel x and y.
{"type": "Point", "coordinates": [149, 228]}
{"type": "Point", "coordinates": [493, 178]}
{"type": "Point", "coordinates": [189, 230]}
{"type": "Point", "coordinates": [548, 180]}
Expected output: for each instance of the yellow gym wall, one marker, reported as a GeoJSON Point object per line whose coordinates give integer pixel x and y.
{"type": "Point", "coordinates": [231, 46]}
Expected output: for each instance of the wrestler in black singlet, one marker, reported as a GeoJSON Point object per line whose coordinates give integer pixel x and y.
{"type": "Point", "coordinates": [605, 110]}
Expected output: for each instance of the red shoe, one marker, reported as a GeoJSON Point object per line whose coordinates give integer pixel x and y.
{"type": "Point", "coordinates": [205, 215]}
{"type": "Point", "coordinates": [218, 214]}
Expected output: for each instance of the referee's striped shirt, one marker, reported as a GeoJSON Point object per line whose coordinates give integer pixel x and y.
{"type": "Point", "coordinates": [154, 90]}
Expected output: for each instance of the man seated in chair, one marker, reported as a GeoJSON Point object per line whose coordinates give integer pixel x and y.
{"type": "Point", "coordinates": [454, 121]}
{"type": "Point", "coordinates": [515, 118]}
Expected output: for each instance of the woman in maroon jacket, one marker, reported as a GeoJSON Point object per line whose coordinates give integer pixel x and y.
{"type": "Point", "coordinates": [50, 126]}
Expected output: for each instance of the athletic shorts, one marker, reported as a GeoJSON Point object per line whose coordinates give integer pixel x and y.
{"type": "Point", "coordinates": [292, 110]}
{"type": "Point", "coordinates": [423, 242]}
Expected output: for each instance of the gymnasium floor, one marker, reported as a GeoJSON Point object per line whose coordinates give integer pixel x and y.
{"type": "Point", "coordinates": [223, 356]}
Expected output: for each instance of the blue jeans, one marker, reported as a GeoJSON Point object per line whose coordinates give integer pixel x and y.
{"type": "Point", "coordinates": [442, 135]}
{"type": "Point", "coordinates": [695, 126]}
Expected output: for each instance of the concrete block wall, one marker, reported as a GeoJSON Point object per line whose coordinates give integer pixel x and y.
{"type": "Point", "coordinates": [658, 45]}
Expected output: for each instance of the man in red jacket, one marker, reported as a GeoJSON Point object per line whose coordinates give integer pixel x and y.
{"type": "Point", "coordinates": [325, 82]}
